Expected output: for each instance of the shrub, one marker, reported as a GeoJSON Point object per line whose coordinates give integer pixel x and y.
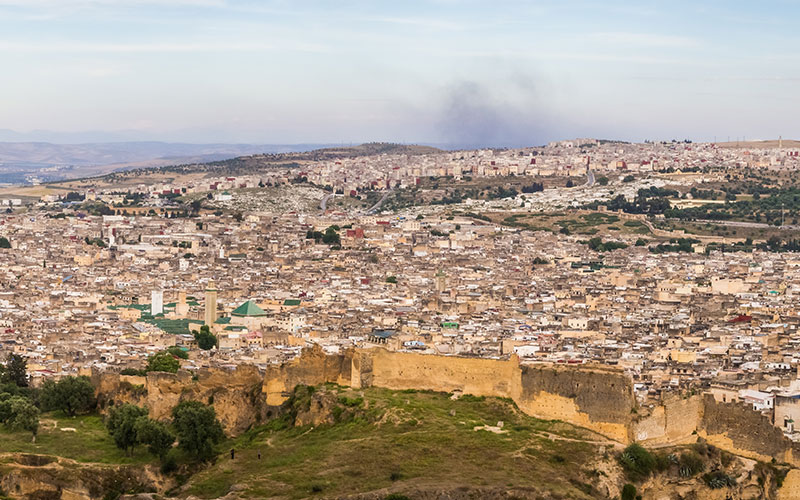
{"type": "Point", "coordinates": [628, 492]}
{"type": "Point", "coordinates": [637, 462]}
{"type": "Point", "coordinates": [690, 464]}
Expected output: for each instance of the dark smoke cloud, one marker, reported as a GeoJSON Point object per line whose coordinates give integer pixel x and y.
{"type": "Point", "coordinates": [508, 115]}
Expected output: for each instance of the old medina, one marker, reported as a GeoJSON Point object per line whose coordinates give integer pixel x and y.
{"type": "Point", "coordinates": [638, 311]}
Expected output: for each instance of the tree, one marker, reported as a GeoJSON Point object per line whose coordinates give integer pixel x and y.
{"type": "Point", "coordinates": [16, 370]}
{"type": "Point", "coordinates": [19, 414]}
{"type": "Point", "coordinates": [603, 181]}
{"type": "Point", "coordinates": [155, 435]}
{"type": "Point", "coordinates": [162, 362]}
{"type": "Point", "coordinates": [121, 424]}
{"type": "Point", "coordinates": [24, 416]}
{"type": "Point", "coordinates": [72, 395]}
{"type": "Point", "coordinates": [4, 243]}
{"type": "Point", "coordinates": [204, 338]}
{"type": "Point", "coordinates": [197, 428]}
{"type": "Point", "coordinates": [570, 183]}
{"type": "Point", "coordinates": [178, 352]}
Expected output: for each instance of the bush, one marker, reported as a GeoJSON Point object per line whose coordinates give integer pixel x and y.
{"type": "Point", "coordinates": [628, 492]}
{"type": "Point", "coordinates": [637, 462]}
{"type": "Point", "coordinates": [204, 338]}
{"type": "Point", "coordinates": [719, 479]}
{"type": "Point", "coordinates": [163, 362]}
{"type": "Point", "coordinates": [690, 464]}
{"type": "Point", "coordinates": [169, 464]}
{"type": "Point", "coordinates": [133, 371]}
{"type": "Point", "coordinates": [178, 352]}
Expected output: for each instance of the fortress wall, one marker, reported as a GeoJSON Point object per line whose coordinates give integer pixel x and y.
{"type": "Point", "coordinates": [312, 367]}
{"type": "Point", "coordinates": [672, 422]}
{"type": "Point", "coordinates": [735, 427]}
{"type": "Point", "coordinates": [476, 376]}
{"type": "Point", "coordinates": [598, 398]}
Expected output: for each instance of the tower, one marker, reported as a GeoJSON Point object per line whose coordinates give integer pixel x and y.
{"type": "Point", "coordinates": [156, 302]}
{"type": "Point", "coordinates": [181, 308]}
{"type": "Point", "coordinates": [211, 304]}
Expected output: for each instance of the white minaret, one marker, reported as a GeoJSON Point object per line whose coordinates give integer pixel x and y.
{"type": "Point", "coordinates": [221, 252]}
{"type": "Point", "coordinates": [157, 302]}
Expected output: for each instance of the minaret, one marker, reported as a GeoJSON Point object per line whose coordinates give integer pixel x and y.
{"type": "Point", "coordinates": [780, 142]}
{"type": "Point", "coordinates": [156, 302]}
{"type": "Point", "coordinates": [211, 304]}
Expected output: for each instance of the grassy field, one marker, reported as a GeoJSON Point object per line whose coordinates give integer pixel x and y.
{"type": "Point", "coordinates": [403, 442]}
{"type": "Point", "coordinates": [89, 443]}
{"type": "Point", "coordinates": [587, 224]}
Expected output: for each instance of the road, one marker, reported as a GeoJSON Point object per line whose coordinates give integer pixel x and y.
{"type": "Point", "coordinates": [589, 178]}
{"type": "Point", "coordinates": [323, 204]}
{"type": "Point", "coordinates": [376, 206]}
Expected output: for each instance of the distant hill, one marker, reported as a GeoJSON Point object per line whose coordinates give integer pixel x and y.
{"type": "Point", "coordinates": [248, 164]}
{"type": "Point", "coordinates": [48, 161]}
{"type": "Point", "coordinates": [769, 144]}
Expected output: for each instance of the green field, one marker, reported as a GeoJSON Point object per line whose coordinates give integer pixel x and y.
{"type": "Point", "coordinates": [89, 443]}
{"type": "Point", "coordinates": [404, 442]}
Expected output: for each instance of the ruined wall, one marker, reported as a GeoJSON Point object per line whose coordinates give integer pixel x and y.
{"type": "Point", "coordinates": [598, 398]}
{"type": "Point", "coordinates": [675, 421]}
{"type": "Point", "coordinates": [312, 367]}
{"type": "Point", "coordinates": [235, 394]}
{"type": "Point", "coordinates": [737, 428]}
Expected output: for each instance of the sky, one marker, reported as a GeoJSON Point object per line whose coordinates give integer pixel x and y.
{"type": "Point", "coordinates": [462, 72]}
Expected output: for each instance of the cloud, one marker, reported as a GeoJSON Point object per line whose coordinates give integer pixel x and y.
{"type": "Point", "coordinates": [473, 115]}
{"type": "Point", "coordinates": [643, 39]}
{"type": "Point", "coordinates": [58, 47]}
{"type": "Point", "coordinates": [39, 4]}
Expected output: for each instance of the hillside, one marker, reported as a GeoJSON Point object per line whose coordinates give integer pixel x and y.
{"type": "Point", "coordinates": [376, 444]}
{"type": "Point", "coordinates": [335, 441]}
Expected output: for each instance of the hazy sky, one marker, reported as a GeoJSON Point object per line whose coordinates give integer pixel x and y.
{"type": "Point", "coordinates": [496, 72]}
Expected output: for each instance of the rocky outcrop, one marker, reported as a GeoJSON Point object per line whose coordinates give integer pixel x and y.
{"type": "Point", "coordinates": [235, 394]}
{"type": "Point", "coordinates": [44, 477]}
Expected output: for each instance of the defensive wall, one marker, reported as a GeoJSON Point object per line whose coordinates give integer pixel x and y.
{"type": "Point", "coordinates": [598, 398]}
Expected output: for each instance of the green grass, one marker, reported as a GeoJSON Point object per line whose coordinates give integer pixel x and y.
{"type": "Point", "coordinates": [89, 443]}
{"type": "Point", "coordinates": [403, 440]}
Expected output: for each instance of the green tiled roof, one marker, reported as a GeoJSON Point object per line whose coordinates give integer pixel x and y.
{"type": "Point", "coordinates": [291, 302]}
{"type": "Point", "coordinates": [249, 308]}
{"type": "Point", "coordinates": [223, 321]}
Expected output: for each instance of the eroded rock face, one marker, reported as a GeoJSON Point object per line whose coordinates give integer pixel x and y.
{"type": "Point", "coordinates": [235, 394]}
{"type": "Point", "coordinates": [45, 477]}
{"type": "Point", "coordinates": [319, 411]}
